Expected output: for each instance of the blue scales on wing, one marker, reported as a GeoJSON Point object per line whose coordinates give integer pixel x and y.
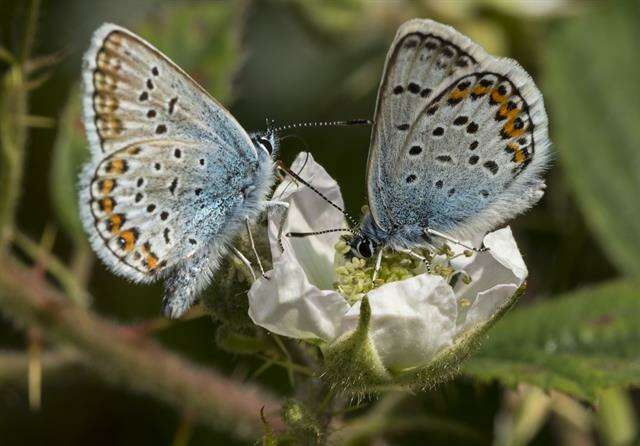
{"type": "Point", "coordinates": [173, 176]}
{"type": "Point", "coordinates": [468, 154]}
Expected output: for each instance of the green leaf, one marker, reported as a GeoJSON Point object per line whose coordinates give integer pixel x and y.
{"type": "Point", "coordinates": [591, 87]}
{"type": "Point", "coordinates": [69, 152]}
{"type": "Point", "coordinates": [578, 344]}
{"type": "Point", "coordinates": [203, 38]}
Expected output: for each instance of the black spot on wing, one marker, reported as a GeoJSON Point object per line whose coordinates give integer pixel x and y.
{"type": "Point", "coordinates": [491, 166]}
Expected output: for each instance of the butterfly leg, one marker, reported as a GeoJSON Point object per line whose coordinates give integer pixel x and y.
{"type": "Point", "coordinates": [274, 203]}
{"type": "Point", "coordinates": [244, 260]}
{"type": "Point", "coordinates": [183, 286]}
{"type": "Point", "coordinates": [253, 248]}
{"type": "Point", "coordinates": [415, 255]}
{"type": "Point", "coordinates": [376, 270]}
{"type": "Point", "coordinates": [430, 232]}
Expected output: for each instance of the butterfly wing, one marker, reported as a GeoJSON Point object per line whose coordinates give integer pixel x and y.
{"type": "Point", "coordinates": [422, 55]}
{"type": "Point", "coordinates": [468, 157]}
{"type": "Point", "coordinates": [473, 156]}
{"type": "Point", "coordinates": [169, 164]}
{"type": "Point", "coordinates": [133, 93]}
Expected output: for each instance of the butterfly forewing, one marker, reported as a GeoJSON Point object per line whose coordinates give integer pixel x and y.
{"type": "Point", "coordinates": [134, 93]}
{"type": "Point", "coordinates": [169, 162]}
{"type": "Point", "coordinates": [423, 54]}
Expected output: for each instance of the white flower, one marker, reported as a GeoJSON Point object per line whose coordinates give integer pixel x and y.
{"type": "Point", "coordinates": [412, 320]}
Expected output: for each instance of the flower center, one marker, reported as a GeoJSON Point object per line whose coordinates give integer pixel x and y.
{"type": "Point", "coordinates": [354, 276]}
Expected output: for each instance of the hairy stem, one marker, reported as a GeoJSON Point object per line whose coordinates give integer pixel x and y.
{"type": "Point", "coordinates": [14, 366]}
{"type": "Point", "coordinates": [126, 357]}
{"type": "Point", "coordinates": [13, 103]}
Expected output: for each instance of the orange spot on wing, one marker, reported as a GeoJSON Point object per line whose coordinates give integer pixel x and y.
{"type": "Point", "coordinates": [506, 113]}
{"type": "Point", "coordinates": [106, 186]}
{"type": "Point", "coordinates": [127, 240]}
{"type": "Point", "coordinates": [519, 155]}
{"type": "Point", "coordinates": [114, 223]}
{"type": "Point", "coordinates": [497, 97]}
{"type": "Point", "coordinates": [458, 95]}
{"type": "Point", "coordinates": [510, 131]}
{"type": "Point", "coordinates": [479, 90]}
{"type": "Point", "coordinates": [150, 258]}
{"type": "Point", "coordinates": [116, 166]}
{"type": "Point", "coordinates": [151, 261]}
{"type": "Point", "coordinates": [107, 204]}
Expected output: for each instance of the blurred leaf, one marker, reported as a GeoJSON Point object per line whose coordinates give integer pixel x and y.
{"type": "Point", "coordinates": [578, 344]}
{"type": "Point", "coordinates": [616, 418]}
{"type": "Point", "coordinates": [69, 151]}
{"type": "Point", "coordinates": [591, 86]}
{"type": "Point", "coordinates": [203, 38]}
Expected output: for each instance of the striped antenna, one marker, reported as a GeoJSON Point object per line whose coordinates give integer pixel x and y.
{"type": "Point", "coordinates": [299, 125]}
{"type": "Point", "coordinates": [326, 231]}
{"type": "Point", "coordinates": [352, 221]}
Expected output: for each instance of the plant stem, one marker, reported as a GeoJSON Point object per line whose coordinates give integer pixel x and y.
{"type": "Point", "coordinates": [14, 366]}
{"type": "Point", "coordinates": [125, 357]}
{"type": "Point", "coordinates": [54, 266]}
{"type": "Point", "coordinates": [13, 103]}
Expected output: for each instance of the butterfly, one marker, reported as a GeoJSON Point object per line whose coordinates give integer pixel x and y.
{"type": "Point", "coordinates": [459, 142]}
{"type": "Point", "coordinates": [173, 177]}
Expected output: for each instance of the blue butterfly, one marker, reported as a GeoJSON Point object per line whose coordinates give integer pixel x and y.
{"type": "Point", "coordinates": [459, 142]}
{"type": "Point", "coordinates": [173, 177]}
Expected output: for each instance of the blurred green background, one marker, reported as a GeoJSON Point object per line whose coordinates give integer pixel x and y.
{"type": "Point", "coordinates": [308, 61]}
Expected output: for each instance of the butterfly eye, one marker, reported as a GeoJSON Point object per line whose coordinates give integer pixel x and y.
{"type": "Point", "coordinates": [265, 144]}
{"type": "Point", "coordinates": [364, 249]}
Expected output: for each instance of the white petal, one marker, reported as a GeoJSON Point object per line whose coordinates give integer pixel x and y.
{"type": "Point", "coordinates": [486, 305]}
{"type": "Point", "coordinates": [502, 246]}
{"type": "Point", "coordinates": [308, 212]}
{"type": "Point", "coordinates": [495, 276]}
{"type": "Point", "coordinates": [411, 320]}
{"type": "Point", "coordinates": [289, 305]}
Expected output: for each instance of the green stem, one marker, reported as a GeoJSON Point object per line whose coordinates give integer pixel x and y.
{"type": "Point", "coordinates": [13, 103]}
{"type": "Point", "coordinates": [54, 266]}
{"type": "Point", "coordinates": [13, 132]}
{"type": "Point", "coordinates": [30, 30]}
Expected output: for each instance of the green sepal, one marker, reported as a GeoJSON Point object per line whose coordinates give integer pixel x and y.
{"type": "Point", "coordinates": [352, 363]}
{"type": "Point", "coordinates": [353, 366]}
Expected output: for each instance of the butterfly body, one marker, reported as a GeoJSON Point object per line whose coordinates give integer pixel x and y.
{"type": "Point", "coordinates": [172, 177]}
{"type": "Point", "coordinates": [459, 141]}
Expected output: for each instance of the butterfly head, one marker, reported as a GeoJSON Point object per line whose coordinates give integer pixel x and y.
{"type": "Point", "coordinates": [361, 246]}
{"type": "Point", "coordinates": [266, 142]}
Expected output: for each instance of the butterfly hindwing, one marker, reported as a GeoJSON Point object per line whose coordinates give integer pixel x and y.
{"type": "Point", "coordinates": [473, 155]}
{"type": "Point", "coordinates": [423, 54]}
{"type": "Point", "coordinates": [154, 204]}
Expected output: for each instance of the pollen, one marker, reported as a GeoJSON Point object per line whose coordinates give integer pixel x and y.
{"type": "Point", "coordinates": [354, 276]}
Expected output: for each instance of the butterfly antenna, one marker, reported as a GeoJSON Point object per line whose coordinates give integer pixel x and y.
{"type": "Point", "coordinates": [326, 231]}
{"type": "Point", "coordinates": [297, 177]}
{"type": "Point", "coordinates": [310, 124]}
